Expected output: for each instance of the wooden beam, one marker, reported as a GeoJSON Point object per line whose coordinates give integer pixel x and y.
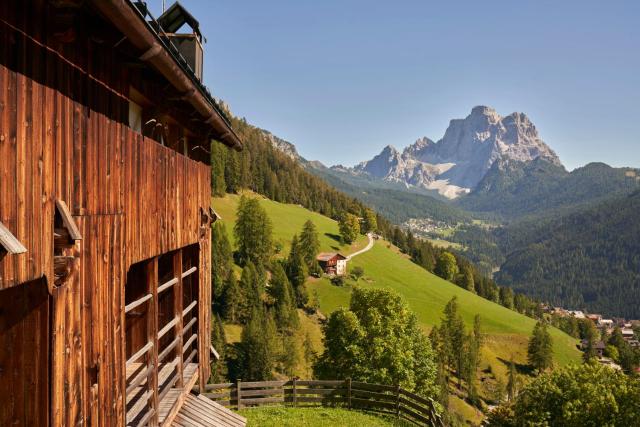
{"type": "Point", "coordinates": [9, 242]}
{"type": "Point", "coordinates": [189, 308]}
{"type": "Point", "coordinates": [177, 311]}
{"type": "Point", "coordinates": [67, 220]}
{"type": "Point", "coordinates": [138, 302]}
{"type": "Point", "coordinates": [167, 285]}
{"type": "Point", "coordinates": [138, 354]}
{"type": "Point", "coordinates": [189, 272]}
{"type": "Point", "coordinates": [152, 330]}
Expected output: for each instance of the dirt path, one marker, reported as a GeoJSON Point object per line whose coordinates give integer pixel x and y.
{"type": "Point", "coordinates": [365, 249]}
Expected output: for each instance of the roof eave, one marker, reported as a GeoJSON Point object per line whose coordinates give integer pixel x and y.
{"type": "Point", "coordinates": [126, 17]}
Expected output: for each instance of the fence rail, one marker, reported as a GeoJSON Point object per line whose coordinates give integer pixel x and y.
{"type": "Point", "coordinates": [386, 399]}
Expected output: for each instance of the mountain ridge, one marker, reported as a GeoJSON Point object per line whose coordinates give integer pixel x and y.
{"type": "Point", "coordinates": [455, 164]}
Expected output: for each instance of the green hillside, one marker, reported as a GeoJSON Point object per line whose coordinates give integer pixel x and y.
{"type": "Point", "coordinates": [288, 220]}
{"type": "Point", "coordinates": [426, 293]}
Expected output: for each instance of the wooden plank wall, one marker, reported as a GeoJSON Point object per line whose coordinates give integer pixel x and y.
{"type": "Point", "coordinates": [63, 135]}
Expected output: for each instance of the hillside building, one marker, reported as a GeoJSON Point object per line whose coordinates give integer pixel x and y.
{"type": "Point", "coordinates": [333, 263]}
{"type": "Point", "coordinates": [105, 221]}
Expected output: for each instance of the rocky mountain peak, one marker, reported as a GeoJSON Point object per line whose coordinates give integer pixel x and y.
{"type": "Point", "coordinates": [456, 163]}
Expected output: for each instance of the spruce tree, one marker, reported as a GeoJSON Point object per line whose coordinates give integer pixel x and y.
{"type": "Point", "coordinates": [257, 347]}
{"type": "Point", "coordinates": [218, 160]}
{"type": "Point", "coordinates": [249, 287]}
{"type": "Point", "coordinates": [280, 290]}
{"type": "Point", "coordinates": [512, 381]}
{"type": "Point", "coordinates": [253, 232]}
{"type": "Point", "coordinates": [221, 263]}
{"type": "Point", "coordinates": [309, 244]}
{"type": "Point", "coordinates": [233, 300]}
{"type": "Point", "coordinates": [540, 348]}
{"type": "Point", "coordinates": [219, 342]}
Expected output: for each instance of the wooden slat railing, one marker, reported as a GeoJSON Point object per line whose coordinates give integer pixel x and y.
{"type": "Point", "coordinates": [386, 399]}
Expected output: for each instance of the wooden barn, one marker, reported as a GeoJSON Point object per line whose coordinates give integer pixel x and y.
{"type": "Point", "coordinates": [332, 263]}
{"type": "Point", "coordinates": [105, 291]}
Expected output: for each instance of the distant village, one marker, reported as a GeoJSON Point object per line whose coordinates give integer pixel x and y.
{"type": "Point", "coordinates": [606, 326]}
{"type": "Point", "coordinates": [426, 226]}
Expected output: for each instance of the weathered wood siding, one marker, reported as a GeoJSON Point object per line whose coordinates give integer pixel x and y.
{"type": "Point", "coordinates": [63, 135]}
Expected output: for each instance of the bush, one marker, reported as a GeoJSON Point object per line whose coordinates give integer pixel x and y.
{"type": "Point", "coordinates": [337, 281]}
{"type": "Point", "coordinates": [357, 272]}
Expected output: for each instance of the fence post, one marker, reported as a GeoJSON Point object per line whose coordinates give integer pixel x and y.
{"type": "Point", "coordinates": [349, 392]}
{"type": "Point", "coordinates": [239, 393]}
{"type": "Point", "coordinates": [295, 393]}
{"type": "Point", "coordinates": [398, 400]}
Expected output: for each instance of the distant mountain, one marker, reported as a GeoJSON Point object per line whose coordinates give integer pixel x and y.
{"type": "Point", "coordinates": [284, 146]}
{"type": "Point", "coordinates": [589, 258]}
{"type": "Point", "coordinates": [456, 164]}
{"type": "Point", "coordinates": [514, 189]}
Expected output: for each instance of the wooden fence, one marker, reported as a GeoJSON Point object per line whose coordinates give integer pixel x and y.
{"type": "Point", "coordinates": [386, 399]}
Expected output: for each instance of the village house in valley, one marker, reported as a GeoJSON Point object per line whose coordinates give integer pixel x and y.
{"type": "Point", "coordinates": [333, 263]}
{"type": "Point", "coordinates": [105, 220]}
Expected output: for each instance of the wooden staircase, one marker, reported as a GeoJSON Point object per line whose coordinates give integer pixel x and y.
{"type": "Point", "coordinates": [199, 411]}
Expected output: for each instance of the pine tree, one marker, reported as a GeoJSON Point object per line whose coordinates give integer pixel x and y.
{"type": "Point", "coordinates": [250, 288]}
{"type": "Point", "coordinates": [454, 337]}
{"type": "Point", "coordinates": [221, 263]}
{"type": "Point", "coordinates": [257, 347]}
{"type": "Point", "coordinates": [253, 232]}
{"type": "Point", "coordinates": [309, 245]}
{"type": "Point", "coordinates": [233, 300]}
{"type": "Point", "coordinates": [512, 381]}
{"type": "Point", "coordinates": [540, 348]}
{"type": "Point", "coordinates": [297, 273]}
{"type": "Point", "coordinates": [218, 160]}
{"type": "Point", "coordinates": [467, 281]}
{"type": "Point", "coordinates": [219, 342]}
{"type": "Point", "coordinates": [280, 289]}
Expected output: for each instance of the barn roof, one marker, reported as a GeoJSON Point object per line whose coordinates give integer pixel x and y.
{"type": "Point", "coordinates": [326, 256]}
{"type": "Point", "coordinates": [163, 56]}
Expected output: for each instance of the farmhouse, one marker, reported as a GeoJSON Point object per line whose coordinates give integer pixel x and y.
{"type": "Point", "coordinates": [333, 263]}
{"type": "Point", "coordinates": [105, 236]}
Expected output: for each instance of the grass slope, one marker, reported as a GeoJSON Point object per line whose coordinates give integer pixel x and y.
{"type": "Point", "coordinates": [288, 220]}
{"type": "Point", "coordinates": [314, 417]}
{"type": "Point", "coordinates": [506, 332]}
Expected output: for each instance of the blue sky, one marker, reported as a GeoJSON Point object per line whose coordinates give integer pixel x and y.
{"type": "Point", "coordinates": [342, 79]}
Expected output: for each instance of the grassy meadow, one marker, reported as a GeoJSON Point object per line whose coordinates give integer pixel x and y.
{"type": "Point", "coordinates": [506, 332]}
{"type": "Point", "coordinates": [315, 417]}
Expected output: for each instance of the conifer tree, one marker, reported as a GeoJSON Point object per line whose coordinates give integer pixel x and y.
{"type": "Point", "coordinates": [454, 337]}
{"type": "Point", "coordinates": [466, 280]}
{"type": "Point", "coordinates": [250, 288]}
{"type": "Point", "coordinates": [512, 382]}
{"type": "Point", "coordinates": [233, 300]}
{"type": "Point", "coordinates": [257, 347]}
{"type": "Point", "coordinates": [280, 289]}
{"type": "Point", "coordinates": [309, 245]}
{"type": "Point", "coordinates": [221, 263]}
{"type": "Point", "coordinates": [297, 273]}
{"type": "Point", "coordinates": [253, 232]}
{"type": "Point", "coordinates": [540, 348]}
{"type": "Point", "coordinates": [219, 342]}
{"type": "Point", "coordinates": [218, 158]}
